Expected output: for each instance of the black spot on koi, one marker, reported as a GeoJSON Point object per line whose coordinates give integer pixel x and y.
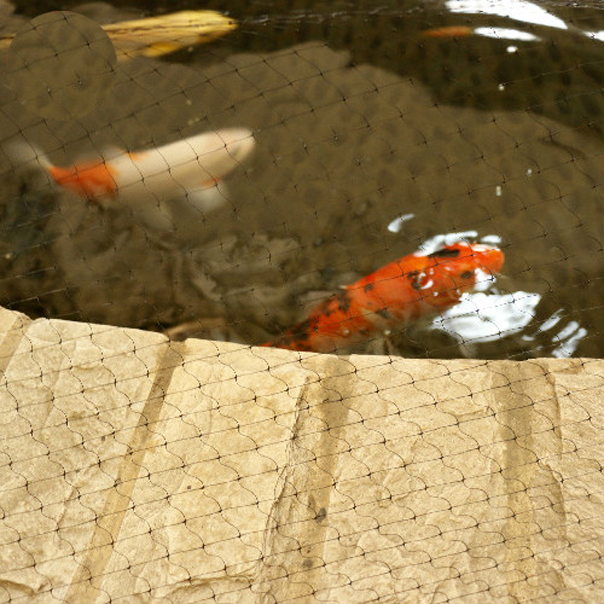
{"type": "Point", "coordinates": [325, 308]}
{"type": "Point", "coordinates": [384, 313]}
{"type": "Point", "coordinates": [298, 336]}
{"type": "Point", "coordinates": [343, 300]}
{"type": "Point", "coordinates": [416, 279]}
{"type": "Point", "coordinates": [444, 253]}
{"type": "Point", "coordinates": [304, 329]}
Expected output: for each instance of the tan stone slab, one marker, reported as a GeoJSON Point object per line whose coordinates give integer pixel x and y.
{"type": "Point", "coordinates": [134, 469]}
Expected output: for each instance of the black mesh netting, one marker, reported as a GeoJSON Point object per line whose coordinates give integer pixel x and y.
{"type": "Point", "coordinates": [219, 193]}
{"type": "Point", "coordinates": [374, 136]}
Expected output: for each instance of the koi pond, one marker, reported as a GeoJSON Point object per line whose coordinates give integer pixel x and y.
{"type": "Point", "coordinates": [381, 130]}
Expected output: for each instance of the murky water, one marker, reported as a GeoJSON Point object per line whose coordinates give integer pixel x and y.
{"type": "Point", "coordinates": [373, 140]}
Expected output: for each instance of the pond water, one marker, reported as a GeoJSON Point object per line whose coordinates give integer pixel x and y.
{"type": "Point", "coordinates": [379, 131]}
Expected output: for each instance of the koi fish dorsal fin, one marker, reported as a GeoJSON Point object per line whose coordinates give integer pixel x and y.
{"type": "Point", "coordinates": [25, 154]}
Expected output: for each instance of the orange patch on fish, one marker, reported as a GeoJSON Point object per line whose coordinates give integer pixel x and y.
{"type": "Point", "coordinates": [93, 179]}
{"type": "Point", "coordinates": [136, 155]}
{"type": "Point", "coordinates": [212, 182]}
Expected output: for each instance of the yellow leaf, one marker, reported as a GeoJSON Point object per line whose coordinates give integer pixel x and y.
{"type": "Point", "coordinates": [157, 36]}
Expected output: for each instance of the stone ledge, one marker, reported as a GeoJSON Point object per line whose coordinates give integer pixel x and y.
{"type": "Point", "coordinates": [138, 468]}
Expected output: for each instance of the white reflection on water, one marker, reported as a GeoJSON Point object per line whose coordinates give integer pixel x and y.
{"type": "Point", "coordinates": [436, 242]}
{"type": "Point", "coordinates": [487, 316]}
{"type": "Point", "coordinates": [567, 339]}
{"type": "Point", "coordinates": [504, 33]}
{"type": "Point", "coordinates": [518, 10]}
{"type": "Point", "coordinates": [397, 224]}
{"type": "Point", "coordinates": [481, 317]}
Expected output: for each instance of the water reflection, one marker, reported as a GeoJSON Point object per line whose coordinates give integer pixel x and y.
{"type": "Point", "coordinates": [527, 12]}
{"type": "Point", "coordinates": [565, 338]}
{"type": "Point", "coordinates": [432, 244]}
{"type": "Point", "coordinates": [484, 315]}
{"type": "Point", "coordinates": [569, 339]}
{"type": "Point", "coordinates": [396, 225]}
{"type": "Point", "coordinates": [487, 317]}
{"type": "Point", "coordinates": [504, 33]}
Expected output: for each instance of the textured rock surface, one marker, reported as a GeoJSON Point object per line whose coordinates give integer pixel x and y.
{"type": "Point", "coordinates": [138, 469]}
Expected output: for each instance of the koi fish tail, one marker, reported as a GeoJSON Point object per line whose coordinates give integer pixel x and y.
{"type": "Point", "coordinates": [27, 156]}
{"type": "Point", "coordinates": [91, 180]}
{"type": "Point", "coordinates": [27, 159]}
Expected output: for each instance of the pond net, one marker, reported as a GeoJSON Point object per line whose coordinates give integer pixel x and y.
{"type": "Point", "coordinates": [416, 184]}
{"type": "Point", "coordinates": [378, 134]}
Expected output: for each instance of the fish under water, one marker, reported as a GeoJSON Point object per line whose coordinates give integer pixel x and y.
{"type": "Point", "coordinates": [405, 290]}
{"type": "Point", "coordinates": [190, 168]}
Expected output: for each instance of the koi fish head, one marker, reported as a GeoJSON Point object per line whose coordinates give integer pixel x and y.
{"type": "Point", "coordinates": [452, 270]}
{"type": "Point", "coordinates": [216, 153]}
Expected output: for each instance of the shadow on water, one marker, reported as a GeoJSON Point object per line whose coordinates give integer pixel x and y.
{"type": "Point", "coordinates": [362, 115]}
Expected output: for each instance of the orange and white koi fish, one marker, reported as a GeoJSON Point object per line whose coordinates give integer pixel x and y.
{"type": "Point", "coordinates": [407, 289]}
{"type": "Point", "coordinates": [183, 167]}
{"type": "Point", "coordinates": [188, 168]}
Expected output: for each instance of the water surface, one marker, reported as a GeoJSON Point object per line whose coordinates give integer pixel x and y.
{"type": "Point", "coordinates": [360, 119]}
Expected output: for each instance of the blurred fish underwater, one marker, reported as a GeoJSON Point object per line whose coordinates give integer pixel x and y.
{"type": "Point", "coordinates": [141, 182]}
{"type": "Point", "coordinates": [377, 130]}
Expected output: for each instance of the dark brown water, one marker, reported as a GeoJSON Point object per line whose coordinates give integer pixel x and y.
{"type": "Point", "coordinates": [360, 120]}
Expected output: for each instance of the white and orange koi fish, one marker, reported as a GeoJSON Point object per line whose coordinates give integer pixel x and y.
{"type": "Point", "coordinates": [190, 168]}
